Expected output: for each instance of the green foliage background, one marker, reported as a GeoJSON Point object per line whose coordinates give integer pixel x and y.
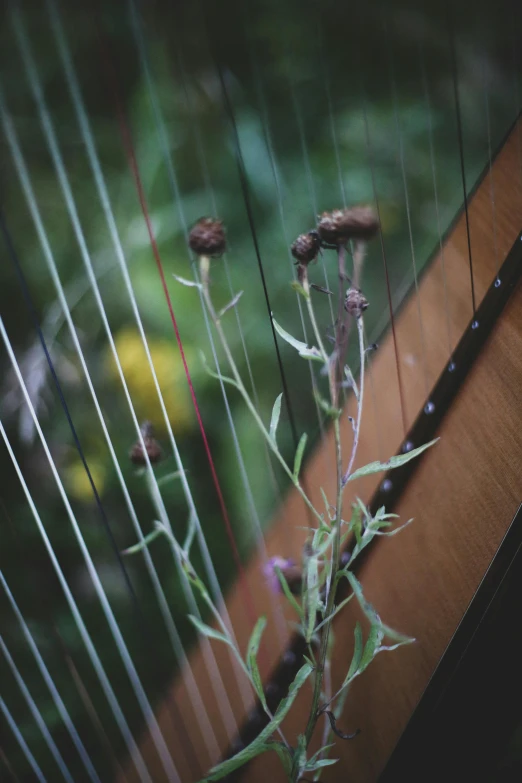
{"type": "Point", "coordinates": [300, 77]}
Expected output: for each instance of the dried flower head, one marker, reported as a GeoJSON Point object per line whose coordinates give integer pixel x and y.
{"type": "Point", "coordinates": [341, 225]}
{"type": "Point", "coordinates": [355, 302]}
{"type": "Point", "coordinates": [306, 247]}
{"type": "Point", "coordinates": [137, 455]}
{"type": "Point", "coordinates": [207, 237]}
{"type": "Point", "coordinates": [290, 571]}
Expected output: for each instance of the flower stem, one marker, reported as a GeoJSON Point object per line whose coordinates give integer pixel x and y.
{"type": "Point", "coordinates": [360, 329]}
{"type": "Point", "coordinates": [204, 271]}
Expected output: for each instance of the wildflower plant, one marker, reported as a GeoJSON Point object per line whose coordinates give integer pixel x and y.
{"type": "Point", "coordinates": [311, 587]}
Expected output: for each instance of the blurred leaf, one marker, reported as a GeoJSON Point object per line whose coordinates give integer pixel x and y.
{"type": "Point", "coordinates": [274, 421]}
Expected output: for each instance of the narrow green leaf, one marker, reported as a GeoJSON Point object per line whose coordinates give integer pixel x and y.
{"type": "Point", "coordinates": [309, 767]}
{"type": "Point", "coordinates": [284, 754]}
{"type": "Point", "coordinates": [335, 611]}
{"type": "Point", "coordinates": [327, 505]}
{"type": "Point", "coordinates": [371, 647]}
{"type": "Point", "coordinates": [207, 631]}
{"type": "Point", "coordinates": [169, 477]}
{"type": "Point", "coordinates": [132, 550]}
{"type": "Point", "coordinates": [288, 593]}
{"type": "Point", "coordinates": [274, 421]}
{"type": "Point", "coordinates": [395, 636]}
{"type": "Point", "coordinates": [367, 608]}
{"type": "Point", "coordinates": [216, 375]}
{"type": "Point", "coordinates": [233, 302]}
{"type": "Point", "coordinates": [299, 288]}
{"type": "Point", "coordinates": [393, 462]}
{"type": "Point", "coordinates": [260, 745]}
{"type": "Point", "coordinates": [299, 454]}
{"type": "Point", "coordinates": [312, 595]}
{"type": "Point", "coordinates": [251, 659]}
{"type": "Point", "coordinates": [191, 532]}
{"type": "Point", "coordinates": [357, 654]}
{"type": "Point", "coordinates": [189, 283]}
{"type": "Point", "coordinates": [297, 344]}
{"type": "Point", "coordinates": [311, 353]}
{"type": "Point", "coordinates": [351, 381]}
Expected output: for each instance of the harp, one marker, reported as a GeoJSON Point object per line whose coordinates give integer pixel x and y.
{"type": "Point", "coordinates": [172, 111]}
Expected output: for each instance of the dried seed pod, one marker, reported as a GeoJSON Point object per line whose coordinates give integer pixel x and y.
{"type": "Point", "coordinates": [341, 225]}
{"type": "Point", "coordinates": [137, 455]}
{"type": "Point", "coordinates": [355, 302]}
{"type": "Point", "coordinates": [306, 247]}
{"type": "Point", "coordinates": [291, 572]}
{"type": "Point", "coordinates": [207, 237]}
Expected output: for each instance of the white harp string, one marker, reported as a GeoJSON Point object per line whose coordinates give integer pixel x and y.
{"type": "Point", "coordinates": [130, 742]}
{"type": "Point", "coordinates": [433, 163]}
{"type": "Point", "coordinates": [171, 628]}
{"type": "Point", "coordinates": [22, 743]}
{"type": "Point", "coordinates": [57, 699]}
{"type": "Point", "coordinates": [163, 138]}
{"type": "Point", "coordinates": [35, 712]}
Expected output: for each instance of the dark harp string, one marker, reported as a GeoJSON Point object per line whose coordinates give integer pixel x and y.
{"type": "Point", "coordinates": [205, 173]}
{"type": "Point", "coordinates": [139, 616]}
{"type": "Point", "coordinates": [37, 600]}
{"type": "Point", "coordinates": [460, 139]}
{"type": "Point", "coordinates": [427, 97]}
{"type": "Point", "coordinates": [173, 181]}
{"type": "Point", "coordinates": [133, 165]}
{"type": "Point", "coordinates": [371, 159]}
{"type": "Point", "coordinates": [245, 189]}
{"type": "Point", "coordinates": [269, 145]}
{"type": "Point", "coordinates": [325, 71]}
{"type": "Point", "coordinates": [404, 178]}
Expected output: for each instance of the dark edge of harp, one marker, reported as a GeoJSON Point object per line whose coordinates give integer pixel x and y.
{"type": "Point", "coordinates": [391, 488]}
{"type": "Point", "coordinates": [470, 705]}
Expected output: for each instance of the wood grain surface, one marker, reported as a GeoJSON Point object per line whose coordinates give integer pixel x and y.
{"type": "Point", "coordinates": [463, 497]}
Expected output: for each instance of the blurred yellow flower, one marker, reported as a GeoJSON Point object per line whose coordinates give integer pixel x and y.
{"type": "Point", "coordinates": [78, 482]}
{"type": "Point", "coordinates": [169, 372]}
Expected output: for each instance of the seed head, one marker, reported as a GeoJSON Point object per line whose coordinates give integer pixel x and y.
{"type": "Point", "coordinates": [355, 302]}
{"type": "Point", "coordinates": [207, 237]}
{"type": "Point", "coordinates": [290, 571]}
{"type": "Point", "coordinates": [306, 247]}
{"type": "Point", "coordinates": [341, 225]}
{"type": "Point", "coordinates": [136, 454]}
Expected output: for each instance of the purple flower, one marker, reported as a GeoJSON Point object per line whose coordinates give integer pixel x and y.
{"type": "Point", "coordinates": [288, 568]}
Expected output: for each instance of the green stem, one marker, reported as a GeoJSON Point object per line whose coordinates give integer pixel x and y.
{"type": "Point", "coordinates": [360, 329]}
{"type": "Point", "coordinates": [204, 270]}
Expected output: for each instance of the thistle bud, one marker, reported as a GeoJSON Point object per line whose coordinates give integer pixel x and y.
{"type": "Point", "coordinates": [290, 571]}
{"type": "Point", "coordinates": [341, 225]}
{"type": "Point", "coordinates": [137, 455]}
{"type": "Point", "coordinates": [306, 247]}
{"type": "Point", "coordinates": [207, 237]}
{"type": "Point", "coordinates": [355, 302]}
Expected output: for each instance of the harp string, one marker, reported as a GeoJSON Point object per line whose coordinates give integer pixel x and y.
{"type": "Point", "coordinates": [71, 729]}
{"type": "Point", "coordinates": [490, 165]}
{"type": "Point", "coordinates": [22, 171]}
{"type": "Point", "coordinates": [269, 144]}
{"type": "Point", "coordinates": [309, 176]}
{"type": "Point", "coordinates": [342, 190]}
{"type": "Point", "coordinates": [211, 664]}
{"type": "Point", "coordinates": [211, 196]}
{"type": "Point", "coordinates": [460, 140]}
{"type": "Point", "coordinates": [433, 164]}
{"type": "Point", "coordinates": [404, 177]}
{"type": "Point", "coordinates": [139, 691]}
{"type": "Point", "coordinates": [371, 159]}
{"type": "Point", "coordinates": [119, 717]}
{"type": "Point", "coordinates": [131, 156]}
{"type": "Point", "coordinates": [162, 132]}
{"type": "Point", "coordinates": [21, 742]}
{"type": "Point", "coordinates": [90, 709]}
{"type": "Point", "coordinates": [37, 715]}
